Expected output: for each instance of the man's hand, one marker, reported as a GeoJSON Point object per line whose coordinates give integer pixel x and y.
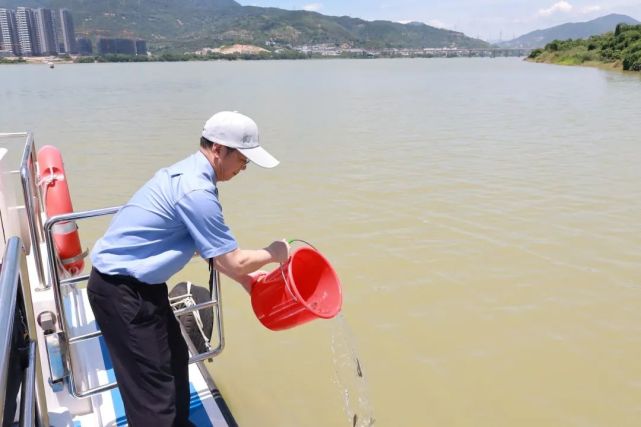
{"type": "Point", "coordinates": [251, 279]}
{"type": "Point", "coordinates": [242, 264]}
{"type": "Point", "coordinates": [257, 275]}
{"type": "Point", "coordinates": [279, 250]}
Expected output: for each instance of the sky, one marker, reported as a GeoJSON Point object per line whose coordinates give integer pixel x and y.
{"type": "Point", "coordinates": [490, 20]}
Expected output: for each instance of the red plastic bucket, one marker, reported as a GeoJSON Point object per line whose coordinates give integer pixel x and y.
{"type": "Point", "coordinates": [303, 289]}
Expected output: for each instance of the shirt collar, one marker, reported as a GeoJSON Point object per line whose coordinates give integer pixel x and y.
{"type": "Point", "coordinates": [204, 167]}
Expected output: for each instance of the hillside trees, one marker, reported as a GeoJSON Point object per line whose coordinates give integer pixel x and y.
{"type": "Point", "coordinates": [621, 46]}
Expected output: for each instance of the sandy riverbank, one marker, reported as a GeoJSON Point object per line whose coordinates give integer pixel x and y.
{"type": "Point", "coordinates": [41, 59]}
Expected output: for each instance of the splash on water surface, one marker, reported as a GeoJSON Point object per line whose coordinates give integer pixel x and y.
{"type": "Point", "coordinates": [350, 376]}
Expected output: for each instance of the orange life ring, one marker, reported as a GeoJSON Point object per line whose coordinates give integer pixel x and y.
{"type": "Point", "coordinates": [57, 201]}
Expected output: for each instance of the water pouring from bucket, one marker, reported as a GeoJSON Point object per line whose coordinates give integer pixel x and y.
{"type": "Point", "coordinates": [305, 288]}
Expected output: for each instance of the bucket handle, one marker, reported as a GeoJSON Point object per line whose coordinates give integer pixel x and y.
{"type": "Point", "coordinates": [282, 270]}
{"type": "Point", "coordinates": [302, 241]}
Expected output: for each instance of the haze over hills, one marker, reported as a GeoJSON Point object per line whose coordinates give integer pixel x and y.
{"type": "Point", "coordinates": [574, 30]}
{"type": "Point", "coordinates": [187, 25]}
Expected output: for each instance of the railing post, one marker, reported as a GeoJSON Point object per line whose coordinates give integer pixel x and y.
{"type": "Point", "coordinates": [41, 400]}
{"type": "Point", "coordinates": [27, 398]}
{"type": "Point", "coordinates": [27, 174]}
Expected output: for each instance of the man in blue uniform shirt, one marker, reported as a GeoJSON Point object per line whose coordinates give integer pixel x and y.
{"type": "Point", "coordinates": [174, 215]}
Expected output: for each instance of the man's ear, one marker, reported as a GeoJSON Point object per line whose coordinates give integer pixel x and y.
{"type": "Point", "coordinates": [218, 149]}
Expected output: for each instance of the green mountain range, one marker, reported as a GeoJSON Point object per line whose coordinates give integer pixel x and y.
{"type": "Point", "coordinates": [573, 30]}
{"type": "Point", "coordinates": [188, 25]}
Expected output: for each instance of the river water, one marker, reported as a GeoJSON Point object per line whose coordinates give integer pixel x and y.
{"type": "Point", "coordinates": [484, 216]}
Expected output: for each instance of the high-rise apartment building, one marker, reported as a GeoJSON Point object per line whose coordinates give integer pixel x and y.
{"type": "Point", "coordinates": [26, 20]}
{"type": "Point", "coordinates": [68, 31]}
{"type": "Point", "coordinates": [32, 32]}
{"type": "Point", "coordinates": [9, 32]}
{"type": "Point", "coordinates": [45, 31]}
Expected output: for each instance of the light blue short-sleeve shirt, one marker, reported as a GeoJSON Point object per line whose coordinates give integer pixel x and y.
{"type": "Point", "coordinates": [174, 215]}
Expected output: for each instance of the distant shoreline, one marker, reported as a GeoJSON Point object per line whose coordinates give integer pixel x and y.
{"type": "Point", "coordinates": [250, 52]}
{"type": "Point", "coordinates": [132, 59]}
{"type": "Point", "coordinates": [103, 60]}
{"type": "Point", "coordinates": [608, 66]}
{"type": "Point", "coordinates": [35, 60]}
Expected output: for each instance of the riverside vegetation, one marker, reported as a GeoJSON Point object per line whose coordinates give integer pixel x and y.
{"type": "Point", "coordinates": [618, 49]}
{"type": "Point", "coordinates": [177, 57]}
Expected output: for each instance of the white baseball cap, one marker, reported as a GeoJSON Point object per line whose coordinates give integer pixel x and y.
{"type": "Point", "coordinates": [235, 130]}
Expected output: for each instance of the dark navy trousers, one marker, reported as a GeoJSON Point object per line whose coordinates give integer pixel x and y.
{"type": "Point", "coordinates": [148, 353]}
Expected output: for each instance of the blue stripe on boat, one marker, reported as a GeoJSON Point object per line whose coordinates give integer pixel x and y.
{"type": "Point", "coordinates": [197, 413]}
{"type": "Point", "coordinates": [119, 407]}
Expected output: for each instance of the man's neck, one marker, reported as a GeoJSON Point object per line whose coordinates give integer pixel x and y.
{"type": "Point", "coordinates": [210, 156]}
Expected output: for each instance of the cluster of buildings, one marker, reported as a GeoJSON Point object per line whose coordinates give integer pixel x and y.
{"type": "Point", "coordinates": [122, 46]}
{"type": "Point", "coordinates": [36, 32]}
{"type": "Point", "coordinates": [329, 49]}
{"type": "Point", "coordinates": [46, 32]}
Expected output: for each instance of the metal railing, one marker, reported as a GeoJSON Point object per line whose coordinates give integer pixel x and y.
{"type": "Point", "coordinates": [217, 307]}
{"type": "Point", "coordinates": [30, 194]}
{"type": "Point", "coordinates": [56, 282]}
{"type": "Point", "coordinates": [9, 280]}
{"type": "Point", "coordinates": [30, 191]}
